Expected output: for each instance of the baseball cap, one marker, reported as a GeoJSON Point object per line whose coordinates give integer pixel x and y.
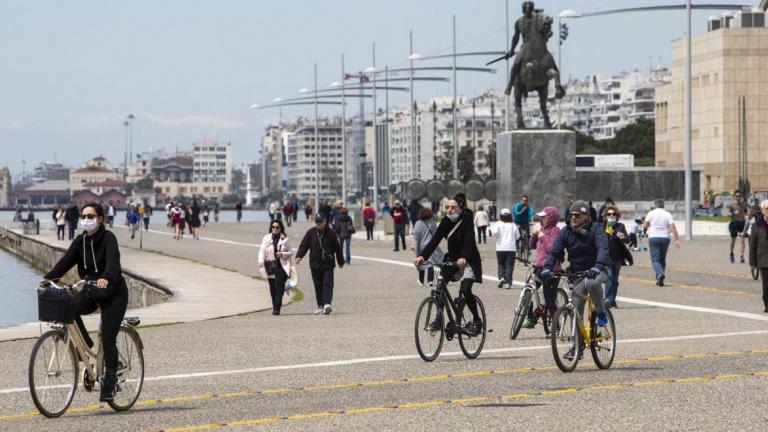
{"type": "Point", "coordinates": [541, 213]}
{"type": "Point", "coordinates": [505, 212]}
{"type": "Point", "coordinates": [579, 206]}
{"type": "Point", "coordinates": [397, 202]}
{"type": "Point", "coordinates": [319, 217]}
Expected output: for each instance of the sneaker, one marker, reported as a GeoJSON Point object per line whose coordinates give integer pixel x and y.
{"type": "Point", "coordinates": [327, 309]}
{"type": "Point", "coordinates": [501, 283]}
{"type": "Point", "coordinates": [570, 354]}
{"type": "Point", "coordinates": [766, 309]}
{"type": "Point", "coordinates": [660, 281]}
{"type": "Point", "coordinates": [529, 323]}
{"type": "Point", "coordinates": [602, 319]}
{"type": "Point", "coordinates": [731, 257]}
{"type": "Point", "coordinates": [107, 393]}
{"type": "Point", "coordinates": [275, 312]}
{"type": "Point", "coordinates": [319, 311]}
{"type": "Point", "coordinates": [431, 284]}
{"type": "Point", "coordinates": [608, 304]}
{"type": "Point", "coordinates": [614, 305]}
{"type": "Point", "coordinates": [421, 284]}
{"type": "Point", "coordinates": [509, 286]}
{"type": "Point", "coordinates": [741, 259]}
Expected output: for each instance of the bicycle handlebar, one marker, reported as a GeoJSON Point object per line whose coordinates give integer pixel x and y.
{"type": "Point", "coordinates": [46, 283]}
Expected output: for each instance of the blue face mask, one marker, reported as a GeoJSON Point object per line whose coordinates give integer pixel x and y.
{"type": "Point", "coordinates": [453, 217]}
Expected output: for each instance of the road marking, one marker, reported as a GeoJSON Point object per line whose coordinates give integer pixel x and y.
{"type": "Point", "coordinates": [407, 357]}
{"type": "Point", "coordinates": [470, 399]}
{"type": "Point", "coordinates": [693, 287]}
{"type": "Point", "coordinates": [391, 382]}
{"type": "Point", "coordinates": [697, 271]}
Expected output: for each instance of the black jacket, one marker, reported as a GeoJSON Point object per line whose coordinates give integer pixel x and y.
{"type": "Point", "coordinates": [342, 228]}
{"type": "Point", "coordinates": [312, 243]}
{"type": "Point", "coordinates": [758, 243]}
{"type": "Point", "coordinates": [585, 249]}
{"type": "Point", "coordinates": [616, 249]}
{"type": "Point", "coordinates": [72, 214]}
{"type": "Point", "coordinates": [461, 244]}
{"type": "Point", "coordinates": [96, 257]}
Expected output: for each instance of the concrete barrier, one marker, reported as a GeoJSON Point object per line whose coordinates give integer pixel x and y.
{"type": "Point", "coordinates": [142, 292]}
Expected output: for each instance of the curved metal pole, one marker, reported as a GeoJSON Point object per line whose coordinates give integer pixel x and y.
{"type": "Point", "coordinates": [317, 152]}
{"type": "Point", "coordinates": [375, 140]}
{"type": "Point", "coordinates": [413, 113]}
{"type": "Point", "coordinates": [343, 137]}
{"type": "Point", "coordinates": [455, 106]}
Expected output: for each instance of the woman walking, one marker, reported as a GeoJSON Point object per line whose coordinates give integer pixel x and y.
{"type": "Point", "coordinates": [194, 220]}
{"type": "Point", "coordinates": [369, 220]}
{"type": "Point", "coordinates": [457, 227]}
{"type": "Point", "coordinates": [423, 232]}
{"type": "Point", "coordinates": [96, 255]}
{"type": "Point", "coordinates": [758, 248]}
{"type": "Point", "coordinates": [61, 222]}
{"type": "Point", "coordinates": [617, 239]}
{"type": "Point", "coordinates": [275, 262]}
{"type": "Point", "coordinates": [481, 222]}
{"type": "Point", "coordinates": [176, 221]}
{"type": "Point", "coordinates": [506, 235]}
{"type": "Point", "coordinates": [344, 229]}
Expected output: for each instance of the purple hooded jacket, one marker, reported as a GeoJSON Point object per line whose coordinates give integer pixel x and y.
{"type": "Point", "coordinates": [546, 238]}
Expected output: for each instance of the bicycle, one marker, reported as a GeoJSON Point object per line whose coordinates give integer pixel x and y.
{"type": "Point", "coordinates": [531, 293]}
{"type": "Point", "coordinates": [570, 336]}
{"type": "Point", "coordinates": [431, 327]}
{"type": "Point", "coordinates": [54, 365]}
{"type": "Point", "coordinates": [524, 242]}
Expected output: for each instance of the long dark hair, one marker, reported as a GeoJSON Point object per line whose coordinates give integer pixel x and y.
{"type": "Point", "coordinates": [279, 222]}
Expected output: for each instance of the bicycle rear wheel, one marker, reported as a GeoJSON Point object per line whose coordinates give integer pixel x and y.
{"type": "Point", "coordinates": [565, 339]}
{"type": "Point", "coordinates": [521, 311]}
{"type": "Point", "coordinates": [52, 374]}
{"type": "Point", "coordinates": [603, 344]}
{"type": "Point", "coordinates": [130, 374]}
{"type": "Point", "coordinates": [429, 329]}
{"type": "Point", "coordinates": [471, 339]}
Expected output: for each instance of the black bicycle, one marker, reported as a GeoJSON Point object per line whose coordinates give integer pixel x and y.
{"type": "Point", "coordinates": [441, 317]}
{"type": "Point", "coordinates": [524, 243]}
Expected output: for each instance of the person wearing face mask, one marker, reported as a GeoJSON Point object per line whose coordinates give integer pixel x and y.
{"type": "Point", "coordinates": [97, 257]}
{"type": "Point", "coordinates": [617, 239]}
{"type": "Point", "coordinates": [324, 252]}
{"type": "Point", "coordinates": [458, 229]}
{"type": "Point", "coordinates": [275, 262]}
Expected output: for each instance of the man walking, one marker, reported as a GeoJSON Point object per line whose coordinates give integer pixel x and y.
{"type": "Point", "coordinates": [738, 210]}
{"type": "Point", "coordinates": [758, 248]}
{"type": "Point", "coordinates": [400, 219]}
{"type": "Point", "coordinates": [324, 252]}
{"type": "Point", "coordinates": [658, 225]}
{"type": "Point", "coordinates": [72, 215]}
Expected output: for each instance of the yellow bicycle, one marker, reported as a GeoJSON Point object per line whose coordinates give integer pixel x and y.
{"type": "Point", "coordinates": [571, 333]}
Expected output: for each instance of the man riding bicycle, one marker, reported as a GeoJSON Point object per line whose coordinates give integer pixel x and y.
{"type": "Point", "coordinates": [587, 247]}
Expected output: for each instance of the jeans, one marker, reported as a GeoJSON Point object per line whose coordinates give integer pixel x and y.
{"type": "Point", "coordinates": [72, 226]}
{"type": "Point", "coordinates": [658, 247]}
{"type": "Point", "coordinates": [612, 282]}
{"type": "Point", "coordinates": [348, 241]}
{"type": "Point", "coordinates": [595, 289]}
{"type": "Point", "coordinates": [146, 224]}
{"type": "Point", "coordinates": [399, 234]}
{"type": "Point", "coordinates": [60, 232]}
{"type": "Point", "coordinates": [323, 281]}
{"type": "Point", "coordinates": [481, 234]}
{"type": "Point", "coordinates": [430, 274]}
{"type": "Point", "coordinates": [369, 231]}
{"type": "Point", "coordinates": [506, 265]}
{"type": "Point", "coordinates": [277, 288]}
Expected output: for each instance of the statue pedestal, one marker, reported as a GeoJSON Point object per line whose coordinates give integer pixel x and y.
{"type": "Point", "coordinates": [538, 163]}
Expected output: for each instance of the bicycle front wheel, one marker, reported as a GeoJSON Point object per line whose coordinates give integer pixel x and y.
{"type": "Point", "coordinates": [429, 329]}
{"type": "Point", "coordinates": [566, 347]}
{"type": "Point", "coordinates": [130, 373]}
{"type": "Point", "coordinates": [603, 344]}
{"type": "Point", "coordinates": [52, 374]}
{"type": "Point", "coordinates": [472, 335]}
{"type": "Point", "coordinates": [521, 312]}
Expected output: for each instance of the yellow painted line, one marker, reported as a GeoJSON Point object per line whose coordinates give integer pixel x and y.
{"type": "Point", "coordinates": [369, 410]}
{"type": "Point", "coordinates": [85, 408]}
{"type": "Point", "coordinates": [278, 391]}
{"type": "Point", "coordinates": [693, 287]}
{"type": "Point", "coordinates": [730, 376]}
{"type": "Point", "coordinates": [692, 356]}
{"type": "Point", "coordinates": [236, 394]}
{"type": "Point", "coordinates": [255, 421]}
{"type": "Point", "coordinates": [19, 416]}
{"type": "Point", "coordinates": [759, 351]}
{"type": "Point", "coordinates": [473, 399]}
{"type": "Point", "coordinates": [331, 386]}
{"type": "Point", "coordinates": [649, 383]}
{"type": "Point", "coordinates": [730, 353]}
{"type": "Point", "coordinates": [313, 415]}
{"type": "Point", "coordinates": [380, 383]}
{"type": "Point", "coordinates": [429, 378]}
{"type": "Point", "coordinates": [760, 374]}
{"type": "Point", "coordinates": [422, 404]}
{"type": "Point", "coordinates": [472, 374]}
{"type": "Point", "coordinates": [208, 426]}
{"type": "Point", "coordinates": [692, 379]}
{"type": "Point", "coordinates": [605, 387]}
{"type": "Point", "coordinates": [517, 396]}
{"type": "Point", "coordinates": [663, 358]}
{"type": "Point", "coordinates": [559, 391]}
{"type": "Point", "coordinates": [203, 396]}
{"type": "Point", "coordinates": [699, 271]}
{"type": "Point", "coordinates": [146, 402]}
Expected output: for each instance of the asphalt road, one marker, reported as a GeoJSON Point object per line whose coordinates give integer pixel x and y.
{"type": "Point", "coordinates": [692, 355]}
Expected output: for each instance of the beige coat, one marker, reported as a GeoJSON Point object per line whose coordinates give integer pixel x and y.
{"type": "Point", "coordinates": [267, 253]}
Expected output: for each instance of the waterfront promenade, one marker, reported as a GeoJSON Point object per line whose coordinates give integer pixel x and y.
{"type": "Point", "coordinates": [692, 355]}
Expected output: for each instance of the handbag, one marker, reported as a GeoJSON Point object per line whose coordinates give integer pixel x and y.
{"type": "Point", "coordinates": [271, 267]}
{"type": "Point", "coordinates": [351, 227]}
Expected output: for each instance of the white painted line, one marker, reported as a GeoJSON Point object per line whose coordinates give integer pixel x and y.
{"type": "Point", "coordinates": [736, 314]}
{"type": "Point", "coordinates": [406, 357]}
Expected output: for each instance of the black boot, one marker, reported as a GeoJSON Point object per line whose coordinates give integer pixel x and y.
{"type": "Point", "coordinates": [108, 387]}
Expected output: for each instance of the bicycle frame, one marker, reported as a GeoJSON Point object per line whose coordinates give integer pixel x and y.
{"type": "Point", "coordinates": [585, 331]}
{"type": "Point", "coordinates": [443, 296]}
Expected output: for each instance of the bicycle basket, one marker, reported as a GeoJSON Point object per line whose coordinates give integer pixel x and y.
{"type": "Point", "coordinates": [56, 305]}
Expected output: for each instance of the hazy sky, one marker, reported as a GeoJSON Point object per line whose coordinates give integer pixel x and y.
{"type": "Point", "coordinates": [188, 69]}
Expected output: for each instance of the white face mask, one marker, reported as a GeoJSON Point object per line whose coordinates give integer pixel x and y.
{"type": "Point", "coordinates": [89, 225]}
{"type": "Point", "coordinates": [611, 221]}
{"type": "Point", "coordinates": [453, 217]}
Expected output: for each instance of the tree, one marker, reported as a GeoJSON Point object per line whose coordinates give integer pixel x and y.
{"type": "Point", "coordinates": [145, 183]}
{"type": "Point", "coordinates": [444, 163]}
{"type": "Point", "coordinates": [466, 163]}
{"type": "Point", "coordinates": [230, 199]}
{"type": "Point", "coordinates": [128, 188]}
{"type": "Point", "coordinates": [638, 139]}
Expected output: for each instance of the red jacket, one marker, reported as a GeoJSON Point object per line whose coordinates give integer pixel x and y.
{"type": "Point", "coordinates": [369, 215]}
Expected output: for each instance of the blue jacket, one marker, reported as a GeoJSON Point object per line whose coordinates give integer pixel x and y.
{"type": "Point", "coordinates": [132, 216]}
{"type": "Point", "coordinates": [520, 216]}
{"type": "Point", "coordinates": [584, 251]}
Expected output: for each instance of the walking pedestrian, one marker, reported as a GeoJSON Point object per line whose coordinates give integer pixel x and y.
{"type": "Point", "coordinates": [523, 215]}
{"type": "Point", "coordinates": [194, 219]}
{"type": "Point", "coordinates": [658, 225]}
{"type": "Point", "coordinates": [239, 210]}
{"type": "Point", "coordinates": [308, 211]}
{"type": "Point", "coordinates": [275, 262]}
{"type": "Point", "coordinates": [324, 253]}
{"type": "Point", "coordinates": [336, 213]}
{"type": "Point", "coordinates": [542, 241]}
{"type": "Point", "coordinates": [601, 211]}
{"type": "Point", "coordinates": [758, 248]}
{"type": "Point", "coordinates": [216, 211]}
{"type": "Point", "coordinates": [146, 214]}
{"type": "Point", "coordinates": [72, 215]}
{"type": "Point", "coordinates": [506, 234]}
{"type": "Point", "coordinates": [61, 222]}
{"type": "Point", "coordinates": [738, 211]}
{"type": "Point", "coordinates": [327, 211]}
{"type": "Point", "coordinates": [369, 220]}
{"type": "Point", "coordinates": [176, 221]}
{"type": "Point", "coordinates": [481, 223]}
{"type": "Point", "coordinates": [414, 208]}
{"type": "Point", "coordinates": [295, 210]}
{"type": "Point", "coordinates": [400, 219]}
{"type": "Point", "coordinates": [132, 219]}
{"type": "Point", "coordinates": [168, 207]}
{"type": "Point", "coordinates": [344, 228]}
{"type": "Point", "coordinates": [17, 215]}
{"type": "Point", "coordinates": [288, 212]}
{"type": "Point", "coordinates": [272, 211]}
{"type": "Point", "coordinates": [423, 232]}
{"type": "Point", "coordinates": [205, 211]}
{"type": "Point", "coordinates": [617, 251]}
{"type": "Point", "coordinates": [111, 214]}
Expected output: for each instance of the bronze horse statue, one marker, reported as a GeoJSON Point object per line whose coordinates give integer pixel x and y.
{"type": "Point", "coordinates": [534, 65]}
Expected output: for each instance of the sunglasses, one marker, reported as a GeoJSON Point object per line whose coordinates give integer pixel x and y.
{"type": "Point", "coordinates": [275, 226]}
{"type": "Point", "coordinates": [610, 214]}
{"type": "Point", "coordinates": [88, 216]}
{"type": "Point", "coordinates": [576, 215]}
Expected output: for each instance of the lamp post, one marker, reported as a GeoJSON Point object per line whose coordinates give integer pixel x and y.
{"type": "Point", "coordinates": [130, 118]}
{"type": "Point", "coordinates": [687, 151]}
{"type": "Point", "coordinates": [125, 153]}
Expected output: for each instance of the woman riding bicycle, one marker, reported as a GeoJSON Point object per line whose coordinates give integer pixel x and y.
{"type": "Point", "coordinates": [457, 227]}
{"type": "Point", "coordinates": [542, 242]}
{"type": "Point", "coordinates": [96, 255]}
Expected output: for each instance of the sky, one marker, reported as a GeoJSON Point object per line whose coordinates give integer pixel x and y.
{"type": "Point", "coordinates": [189, 69]}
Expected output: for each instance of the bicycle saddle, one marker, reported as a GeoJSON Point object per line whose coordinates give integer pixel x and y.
{"type": "Point", "coordinates": [132, 321]}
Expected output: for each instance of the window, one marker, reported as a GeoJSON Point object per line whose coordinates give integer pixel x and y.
{"type": "Point", "coordinates": [717, 131]}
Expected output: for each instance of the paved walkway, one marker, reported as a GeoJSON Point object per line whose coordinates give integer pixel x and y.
{"type": "Point", "coordinates": [200, 292]}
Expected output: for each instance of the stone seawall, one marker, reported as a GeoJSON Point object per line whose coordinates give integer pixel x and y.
{"type": "Point", "coordinates": [142, 292]}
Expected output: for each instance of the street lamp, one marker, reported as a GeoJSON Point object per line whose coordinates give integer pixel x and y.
{"type": "Point", "coordinates": [126, 124]}
{"type": "Point", "coordinates": [130, 118]}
